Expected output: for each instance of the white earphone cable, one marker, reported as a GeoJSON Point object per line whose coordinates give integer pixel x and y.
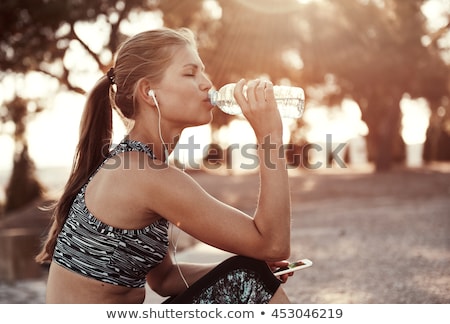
{"type": "Point", "coordinates": [166, 152]}
{"type": "Point", "coordinates": [175, 254]}
{"type": "Point", "coordinates": [166, 159]}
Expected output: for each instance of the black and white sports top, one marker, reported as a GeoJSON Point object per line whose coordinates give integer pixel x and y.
{"type": "Point", "coordinates": [94, 249]}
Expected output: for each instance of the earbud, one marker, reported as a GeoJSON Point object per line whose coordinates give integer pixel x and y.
{"type": "Point", "coordinates": [151, 93]}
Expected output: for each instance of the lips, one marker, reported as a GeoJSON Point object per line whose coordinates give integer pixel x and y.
{"type": "Point", "coordinates": [207, 101]}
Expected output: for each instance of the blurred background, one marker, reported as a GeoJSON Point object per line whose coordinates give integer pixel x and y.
{"type": "Point", "coordinates": [375, 74]}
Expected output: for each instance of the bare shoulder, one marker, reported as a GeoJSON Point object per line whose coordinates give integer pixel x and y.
{"type": "Point", "coordinates": [163, 179]}
{"type": "Point", "coordinates": [153, 179]}
{"type": "Point", "coordinates": [132, 189]}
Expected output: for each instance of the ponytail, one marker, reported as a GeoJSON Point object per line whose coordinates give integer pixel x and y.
{"type": "Point", "coordinates": [93, 147]}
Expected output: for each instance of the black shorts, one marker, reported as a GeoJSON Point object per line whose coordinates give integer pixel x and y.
{"type": "Point", "coordinates": [237, 280]}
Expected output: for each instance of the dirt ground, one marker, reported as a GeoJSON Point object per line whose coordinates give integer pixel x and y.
{"type": "Point", "coordinates": [374, 238]}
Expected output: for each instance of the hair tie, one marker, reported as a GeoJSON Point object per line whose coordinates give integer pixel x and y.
{"type": "Point", "coordinates": [112, 76]}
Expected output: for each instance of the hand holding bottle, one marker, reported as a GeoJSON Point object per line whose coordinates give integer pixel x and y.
{"type": "Point", "coordinates": [290, 100]}
{"type": "Point", "coordinates": [258, 105]}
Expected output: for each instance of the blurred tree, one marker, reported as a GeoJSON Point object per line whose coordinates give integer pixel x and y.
{"type": "Point", "coordinates": [376, 52]}
{"type": "Point", "coordinates": [36, 37]}
{"type": "Point", "coordinates": [23, 178]}
{"type": "Point", "coordinates": [370, 51]}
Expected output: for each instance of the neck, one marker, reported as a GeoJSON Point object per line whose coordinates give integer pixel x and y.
{"type": "Point", "coordinates": [162, 144]}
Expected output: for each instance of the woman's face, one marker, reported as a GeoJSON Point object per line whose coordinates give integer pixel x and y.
{"type": "Point", "coordinates": [182, 93]}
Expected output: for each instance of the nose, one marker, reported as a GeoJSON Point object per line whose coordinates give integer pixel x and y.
{"type": "Point", "coordinates": [205, 84]}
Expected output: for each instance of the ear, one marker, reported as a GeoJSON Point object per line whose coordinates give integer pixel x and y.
{"type": "Point", "coordinates": [143, 92]}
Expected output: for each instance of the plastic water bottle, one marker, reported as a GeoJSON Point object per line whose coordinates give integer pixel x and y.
{"type": "Point", "coordinates": [290, 100]}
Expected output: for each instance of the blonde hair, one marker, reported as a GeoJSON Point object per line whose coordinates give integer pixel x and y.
{"type": "Point", "coordinates": [145, 55]}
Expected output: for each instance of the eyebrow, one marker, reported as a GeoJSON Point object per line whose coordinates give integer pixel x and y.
{"type": "Point", "coordinates": [196, 66]}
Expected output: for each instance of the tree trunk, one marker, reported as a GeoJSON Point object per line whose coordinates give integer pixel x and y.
{"type": "Point", "coordinates": [385, 144]}
{"type": "Point", "coordinates": [23, 187]}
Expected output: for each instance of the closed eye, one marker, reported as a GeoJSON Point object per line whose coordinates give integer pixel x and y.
{"type": "Point", "coordinates": [191, 70]}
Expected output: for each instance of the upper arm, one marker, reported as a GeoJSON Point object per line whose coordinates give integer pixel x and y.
{"type": "Point", "coordinates": [182, 201]}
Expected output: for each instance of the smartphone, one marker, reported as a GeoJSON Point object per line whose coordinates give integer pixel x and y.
{"type": "Point", "coordinates": [293, 266]}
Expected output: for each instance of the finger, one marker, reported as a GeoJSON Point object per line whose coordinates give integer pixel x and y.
{"type": "Point", "coordinates": [260, 94]}
{"type": "Point", "coordinates": [284, 278]}
{"type": "Point", "coordinates": [268, 92]}
{"type": "Point", "coordinates": [251, 90]}
{"type": "Point", "coordinates": [239, 93]}
{"type": "Point", "coordinates": [282, 263]}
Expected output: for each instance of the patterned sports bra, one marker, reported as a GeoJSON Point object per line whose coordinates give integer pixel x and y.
{"type": "Point", "coordinates": [94, 249]}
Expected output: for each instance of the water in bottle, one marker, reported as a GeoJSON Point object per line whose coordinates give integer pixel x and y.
{"type": "Point", "coordinates": [290, 100]}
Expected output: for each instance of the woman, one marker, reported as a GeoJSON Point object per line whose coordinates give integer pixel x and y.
{"type": "Point", "coordinates": [110, 227]}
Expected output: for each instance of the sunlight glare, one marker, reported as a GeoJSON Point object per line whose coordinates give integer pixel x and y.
{"type": "Point", "coordinates": [139, 21]}
{"type": "Point", "coordinates": [7, 146]}
{"type": "Point", "coordinates": [63, 30]}
{"type": "Point", "coordinates": [52, 136]}
{"type": "Point", "coordinates": [36, 84]}
{"type": "Point", "coordinates": [7, 88]}
{"type": "Point", "coordinates": [80, 73]}
{"type": "Point", "coordinates": [213, 9]}
{"type": "Point", "coordinates": [292, 59]}
{"type": "Point", "coordinates": [344, 123]}
{"type": "Point", "coordinates": [275, 7]}
{"type": "Point", "coordinates": [437, 12]}
{"type": "Point", "coordinates": [415, 120]}
{"type": "Point", "coordinates": [101, 28]}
